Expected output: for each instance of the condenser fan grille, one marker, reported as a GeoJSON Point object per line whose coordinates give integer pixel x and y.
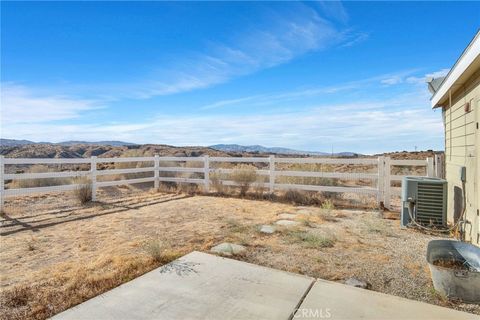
{"type": "Point", "coordinates": [430, 210]}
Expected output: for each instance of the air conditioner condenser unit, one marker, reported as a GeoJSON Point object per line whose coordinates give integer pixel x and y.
{"type": "Point", "coordinates": [424, 200]}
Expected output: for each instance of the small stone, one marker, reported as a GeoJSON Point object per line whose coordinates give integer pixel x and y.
{"type": "Point", "coordinates": [287, 223]}
{"type": "Point", "coordinates": [287, 216]}
{"type": "Point", "coordinates": [228, 249]}
{"type": "Point", "coordinates": [267, 229]}
{"type": "Point", "coordinates": [354, 282]}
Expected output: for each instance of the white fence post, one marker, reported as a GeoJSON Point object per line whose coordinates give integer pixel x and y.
{"type": "Point", "coordinates": [156, 174]}
{"type": "Point", "coordinates": [206, 171]}
{"type": "Point", "coordinates": [156, 183]}
{"type": "Point", "coordinates": [380, 180]}
{"type": "Point", "coordinates": [438, 166]}
{"type": "Point", "coordinates": [2, 183]}
{"type": "Point", "coordinates": [93, 177]}
{"type": "Point", "coordinates": [271, 180]}
{"type": "Point", "coordinates": [387, 182]}
{"type": "Point", "coordinates": [430, 169]}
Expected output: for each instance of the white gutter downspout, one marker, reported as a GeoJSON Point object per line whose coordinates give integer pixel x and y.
{"type": "Point", "coordinates": [450, 122]}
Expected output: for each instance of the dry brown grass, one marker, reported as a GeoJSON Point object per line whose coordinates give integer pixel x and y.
{"type": "Point", "coordinates": [71, 284]}
{"type": "Point", "coordinates": [312, 240]}
{"type": "Point", "coordinates": [130, 165]}
{"type": "Point", "coordinates": [301, 197]}
{"type": "Point", "coordinates": [244, 175]}
{"type": "Point", "coordinates": [81, 253]}
{"type": "Point", "coordinates": [83, 192]}
{"type": "Point", "coordinates": [217, 183]}
{"type": "Point", "coordinates": [44, 182]}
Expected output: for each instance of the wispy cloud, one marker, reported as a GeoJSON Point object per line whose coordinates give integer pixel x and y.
{"type": "Point", "coordinates": [282, 37]}
{"type": "Point", "coordinates": [289, 35]}
{"type": "Point", "coordinates": [363, 126]}
{"type": "Point", "coordinates": [421, 80]}
{"type": "Point", "coordinates": [22, 105]}
{"type": "Point", "coordinates": [352, 38]}
{"type": "Point", "coordinates": [335, 10]}
{"type": "Point", "coordinates": [276, 98]}
{"type": "Point", "coordinates": [392, 80]}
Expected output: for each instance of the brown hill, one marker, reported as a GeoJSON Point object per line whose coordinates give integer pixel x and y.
{"type": "Point", "coordinates": [85, 151]}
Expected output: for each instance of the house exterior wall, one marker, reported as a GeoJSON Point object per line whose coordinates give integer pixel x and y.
{"type": "Point", "coordinates": [462, 149]}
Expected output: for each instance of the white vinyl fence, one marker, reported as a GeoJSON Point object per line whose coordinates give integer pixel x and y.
{"type": "Point", "coordinates": [381, 179]}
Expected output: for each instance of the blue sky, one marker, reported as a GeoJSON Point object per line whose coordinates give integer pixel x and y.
{"type": "Point", "coordinates": [304, 75]}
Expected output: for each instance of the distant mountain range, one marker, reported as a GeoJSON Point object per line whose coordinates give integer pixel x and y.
{"type": "Point", "coordinates": [13, 143]}
{"type": "Point", "coordinates": [280, 150]}
{"type": "Point", "coordinates": [219, 147]}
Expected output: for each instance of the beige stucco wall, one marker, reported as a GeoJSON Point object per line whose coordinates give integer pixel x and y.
{"type": "Point", "coordinates": [462, 149]}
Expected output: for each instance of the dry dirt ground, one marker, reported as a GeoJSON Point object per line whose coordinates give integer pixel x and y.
{"type": "Point", "coordinates": [55, 254]}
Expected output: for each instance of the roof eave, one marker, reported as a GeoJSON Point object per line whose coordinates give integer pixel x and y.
{"type": "Point", "coordinates": [468, 56]}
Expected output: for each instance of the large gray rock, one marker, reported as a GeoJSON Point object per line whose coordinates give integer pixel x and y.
{"type": "Point", "coordinates": [354, 282]}
{"type": "Point", "coordinates": [287, 223]}
{"type": "Point", "coordinates": [267, 229]}
{"type": "Point", "coordinates": [228, 249]}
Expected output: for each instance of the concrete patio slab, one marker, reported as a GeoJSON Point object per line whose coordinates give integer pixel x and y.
{"type": "Point", "coordinates": [331, 300]}
{"type": "Point", "coordinates": [200, 286]}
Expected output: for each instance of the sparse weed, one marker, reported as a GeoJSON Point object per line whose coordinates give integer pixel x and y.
{"type": "Point", "coordinates": [188, 188]}
{"type": "Point", "coordinates": [306, 222]}
{"type": "Point", "coordinates": [158, 250]}
{"type": "Point", "coordinates": [217, 183]}
{"type": "Point", "coordinates": [244, 175]}
{"type": "Point", "coordinates": [327, 205]}
{"type": "Point", "coordinates": [32, 244]}
{"type": "Point", "coordinates": [83, 192]}
{"type": "Point", "coordinates": [312, 240]}
{"type": "Point", "coordinates": [236, 227]}
{"type": "Point", "coordinates": [376, 226]}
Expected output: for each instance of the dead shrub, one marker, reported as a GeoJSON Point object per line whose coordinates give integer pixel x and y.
{"type": "Point", "coordinates": [301, 197]}
{"type": "Point", "coordinates": [83, 192]}
{"type": "Point", "coordinates": [295, 196]}
{"type": "Point", "coordinates": [217, 183]}
{"type": "Point", "coordinates": [43, 182]}
{"type": "Point", "coordinates": [188, 188]}
{"type": "Point", "coordinates": [168, 187]}
{"type": "Point", "coordinates": [32, 244]}
{"type": "Point", "coordinates": [158, 250]}
{"type": "Point", "coordinates": [244, 175]}
{"type": "Point", "coordinates": [258, 189]}
{"type": "Point", "coordinates": [131, 165]}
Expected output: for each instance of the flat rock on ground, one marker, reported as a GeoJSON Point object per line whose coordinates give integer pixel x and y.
{"type": "Point", "coordinates": [267, 229]}
{"type": "Point", "coordinates": [287, 216]}
{"type": "Point", "coordinates": [354, 282]}
{"type": "Point", "coordinates": [228, 249]}
{"type": "Point", "coordinates": [287, 223]}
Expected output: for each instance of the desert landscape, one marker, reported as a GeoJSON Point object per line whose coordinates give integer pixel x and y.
{"type": "Point", "coordinates": [53, 245]}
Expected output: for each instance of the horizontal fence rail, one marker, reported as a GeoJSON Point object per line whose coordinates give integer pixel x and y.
{"type": "Point", "coordinates": [381, 177]}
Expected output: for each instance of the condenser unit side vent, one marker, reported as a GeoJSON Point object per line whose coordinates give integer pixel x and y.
{"type": "Point", "coordinates": [425, 200]}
